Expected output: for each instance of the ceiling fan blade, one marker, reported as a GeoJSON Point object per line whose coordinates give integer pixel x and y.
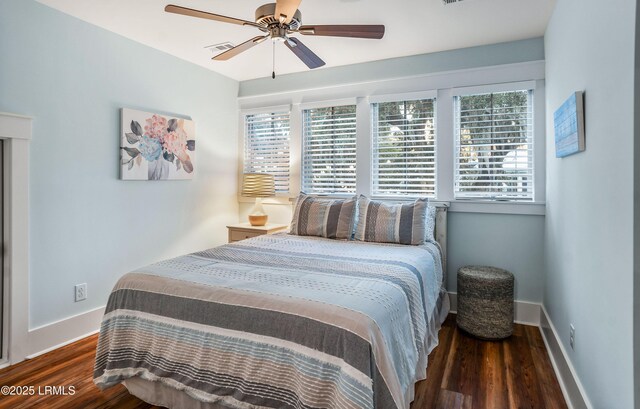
{"type": "Point", "coordinates": [240, 48]}
{"type": "Point", "coordinates": [359, 31]}
{"type": "Point", "coordinates": [209, 16]}
{"type": "Point", "coordinates": [306, 55]}
{"type": "Point", "coordinates": [286, 9]}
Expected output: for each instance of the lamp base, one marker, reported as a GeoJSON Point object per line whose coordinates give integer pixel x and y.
{"type": "Point", "coordinates": [258, 220]}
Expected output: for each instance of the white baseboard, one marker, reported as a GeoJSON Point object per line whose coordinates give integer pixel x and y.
{"type": "Point", "coordinates": [60, 333]}
{"type": "Point", "coordinates": [525, 312]}
{"type": "Point", "coordinates": [572, 389]}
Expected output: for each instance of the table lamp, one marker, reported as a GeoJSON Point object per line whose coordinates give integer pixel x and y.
{"type": "Point", "coordinates": [258, 185]}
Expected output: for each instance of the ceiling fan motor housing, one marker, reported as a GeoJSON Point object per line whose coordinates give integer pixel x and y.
{"type": "Point", "coordinates": [265, 17]}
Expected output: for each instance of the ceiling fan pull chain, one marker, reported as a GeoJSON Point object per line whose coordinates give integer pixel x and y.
{"type": "Point", "coordinates": [273, 72]}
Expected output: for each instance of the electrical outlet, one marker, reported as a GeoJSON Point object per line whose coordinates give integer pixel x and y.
{"type": "Point", "coordinates": [572, 336]}
{"type": "Point", "coordinates": [81, 292]}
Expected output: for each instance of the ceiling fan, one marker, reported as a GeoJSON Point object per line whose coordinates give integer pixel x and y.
{"type": "Point", "coordinates": [279, 20]}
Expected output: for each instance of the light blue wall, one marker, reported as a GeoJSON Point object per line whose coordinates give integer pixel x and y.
{"type": "Point", "coordinates": [589, 46]}
{"type": "Point", "coordinates": [483, 56]}
{"type": "Point", "coordinates": [85, 224]}
{"type": "Point", "coordinates": [512, 242]}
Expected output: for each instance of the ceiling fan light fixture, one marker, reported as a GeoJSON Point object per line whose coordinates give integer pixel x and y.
{"type": "Point", "coordinates": [277, 32]}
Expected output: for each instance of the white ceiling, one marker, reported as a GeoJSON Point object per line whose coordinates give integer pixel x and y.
{"type": "Point", "coordinates": [412, 27]}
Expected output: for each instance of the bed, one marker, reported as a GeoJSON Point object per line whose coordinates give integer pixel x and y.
{"type": "Point", "coordinates": [277, 321]}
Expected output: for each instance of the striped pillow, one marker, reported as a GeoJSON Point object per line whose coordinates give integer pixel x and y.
{"type": "Point", "coordinates": [391, 223]}
{"type": "Point", "coordinates": [331, 218]}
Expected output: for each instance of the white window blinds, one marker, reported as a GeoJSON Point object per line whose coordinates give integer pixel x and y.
{"type": "Point", "coordinates": [267, 146]}
{"type": "Point", "coordinates": [494, 146]}
{"type": "Point", "coordinates": [404, 148]}
{"type": "Point", "coordinates": [329, 150]}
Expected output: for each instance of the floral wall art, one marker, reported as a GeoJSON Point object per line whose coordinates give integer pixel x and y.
{"type": "Point", "coordinates": [156, 147]}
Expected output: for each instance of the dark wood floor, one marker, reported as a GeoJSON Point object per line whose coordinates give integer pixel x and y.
{"type": "Point", "coordinates": [463, 373]}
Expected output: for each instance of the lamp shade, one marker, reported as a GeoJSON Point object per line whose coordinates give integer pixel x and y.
{"type": "Point", "coordinates": [258, 185]}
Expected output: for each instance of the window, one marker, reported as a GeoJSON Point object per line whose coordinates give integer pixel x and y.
{"type": "Point", "coordinates": [493, 153]}
{"type": "Point", "coordinates": [329, 150]}
{"type": "Point", "coordinates": [404, 148]}
{"type": "Point", "coordinates": [267, 146]}
{"type": "Point", "coordinates": [478, 147]}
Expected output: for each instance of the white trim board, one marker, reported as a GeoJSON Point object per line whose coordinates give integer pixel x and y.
{"type": "Point", "coordinates": [60, 333]}
{"type": "Point", "coordinates": [15, 130]}
{"type": "Point", "coordinates": [14, 126]}
{"type": "Point", "coordinates": [572, 389]}
{"type": "Point", "coordinates": [496, 74]}
{"type": "Point", "coordinates": [525, 312]}
{"type": "Point", "coordinates": [478, 206]}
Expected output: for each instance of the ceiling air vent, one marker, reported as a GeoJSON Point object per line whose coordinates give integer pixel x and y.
{"type": "Point", "coordinates": [450, 1]}
{"type": "Point", "coordinates": [218, 48]}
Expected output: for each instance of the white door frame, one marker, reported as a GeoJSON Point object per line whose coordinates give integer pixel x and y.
{"type": "Point", "coordinates": [15, 131]}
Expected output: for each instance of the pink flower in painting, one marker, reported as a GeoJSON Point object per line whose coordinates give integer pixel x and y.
{"type": "Point", "coordinates": [175, 142]}
{"type": "Point", "coordinates": [156, 127]}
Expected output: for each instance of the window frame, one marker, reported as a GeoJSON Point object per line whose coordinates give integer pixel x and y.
{"type": "Point", "coordinates": [539, 143]}
{"type": "Point", "coordinates": [528, 87]}
{"type": "Point", "coordinates": [444, 85]}
{"type": "Point", "coordinates": [403, 97]}
{"type": "Point", "coordinates": [280, 197]}
{"type": "Point", "coordinates": [321, 105]}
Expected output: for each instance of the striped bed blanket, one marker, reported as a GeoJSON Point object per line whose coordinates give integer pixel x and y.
{"type": "Point", "coordinates": [278, 321]}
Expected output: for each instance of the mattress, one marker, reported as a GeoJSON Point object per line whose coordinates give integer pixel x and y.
{"type": "Point", "coordinates": [276, 321]}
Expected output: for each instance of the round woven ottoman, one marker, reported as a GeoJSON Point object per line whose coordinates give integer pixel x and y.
{"type": "Point", "coordinates": [485, 302]}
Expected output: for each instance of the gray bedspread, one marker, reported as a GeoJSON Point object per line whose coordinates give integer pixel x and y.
{"type": "Point", "coordinates": [278, 321]}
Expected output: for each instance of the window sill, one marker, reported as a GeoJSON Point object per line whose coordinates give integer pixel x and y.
{"type": "Point", "coordinates": [498, 207]}
{"type": "Point", "coordinates": [456, 206]}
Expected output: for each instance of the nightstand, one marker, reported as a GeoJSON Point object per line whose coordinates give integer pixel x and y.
{"type": "Point", "coordinates": [243, 231]}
